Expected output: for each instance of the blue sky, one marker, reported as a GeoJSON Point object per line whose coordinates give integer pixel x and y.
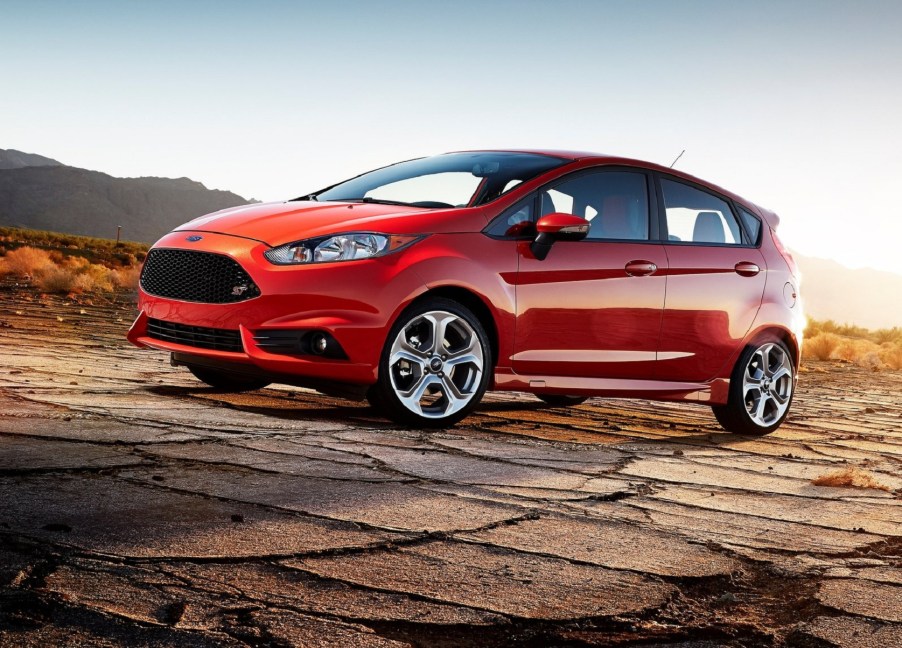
{"type": "Point", "coordinates": [795, 105]}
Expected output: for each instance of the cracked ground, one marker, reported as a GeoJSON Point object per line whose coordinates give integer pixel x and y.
{"type": "Point", "coordinates": [139, 508]}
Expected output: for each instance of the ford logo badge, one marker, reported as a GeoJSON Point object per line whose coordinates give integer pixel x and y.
{"type": "Point", "coordinates": [193, 238]}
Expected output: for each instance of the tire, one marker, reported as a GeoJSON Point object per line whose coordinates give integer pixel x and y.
{"type": "Point", "coordinates": [227, 381]}
{"type": "Point", "coordinates": [418, 385]}
{"type": "Point", "coordinates": [761, 389]}
{"type": "Point", "coordinates": [562, 400]}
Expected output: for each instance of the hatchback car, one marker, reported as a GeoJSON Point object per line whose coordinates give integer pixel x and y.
{"type": "Point", "coordinates": [423, 284]}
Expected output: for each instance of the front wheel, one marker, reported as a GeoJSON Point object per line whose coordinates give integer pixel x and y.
{"type": "Point", "coordinates": [761, 390]}
{"type": "Point", "coordinates": [435, 365]}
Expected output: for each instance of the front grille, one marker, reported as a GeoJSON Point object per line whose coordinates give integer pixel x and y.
{"type": "Point", "coordinates": [196, 336]}
{"type": "Point", "coordinates": [196, 277]}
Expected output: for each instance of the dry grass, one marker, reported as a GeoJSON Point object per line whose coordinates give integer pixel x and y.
{"type": "Point", "coordinates": [891, 355]}
{"type": "Point", "coordinates": [25, 261]}
{"type": "Point", "coordinates": [881, 349]}
{"type": "Point", "coordinates": [850, 477]}
{"type": "Point", "coordinates": [821, 346]}
{"type": "Point", "coordinates": [56, 272]}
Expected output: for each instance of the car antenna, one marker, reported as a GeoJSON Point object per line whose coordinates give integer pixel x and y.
{"type": "Point", "coordinates": [677, 158]}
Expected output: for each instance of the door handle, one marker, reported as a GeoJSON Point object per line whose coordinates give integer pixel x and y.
{"type": "Point", "coordinates": [640, 268]}
{"type": "Point", "coordinates": [747, 269]}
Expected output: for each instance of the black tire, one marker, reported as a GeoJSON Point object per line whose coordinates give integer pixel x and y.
{"type": "Point", "coordinates": [735, 416]}
{"type": "Point", "coordinates": [226, 380]}
{"type": "Point", "coordinates": [384, 395]}
{"type": "Point", "coordinates": [562, 400]}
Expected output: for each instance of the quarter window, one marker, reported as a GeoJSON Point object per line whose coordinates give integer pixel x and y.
{"type": "Point", "coordinates": [614, 202]}
{"type": "Point", "coordinates": [696, 216]}
{"type": "Point", "coordinates": [516, 221]}
{"type": "Point", "coordinates": [752, 225]}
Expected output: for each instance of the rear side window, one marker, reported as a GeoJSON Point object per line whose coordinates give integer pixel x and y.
{"type": "Point", "coordinates": [752, 225]}
{"type": "Point", "coordinates": [614, 202]}
{"type": "Point", "coordinates": [696, 216]}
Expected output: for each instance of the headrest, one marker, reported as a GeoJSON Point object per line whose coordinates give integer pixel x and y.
{"type": "Point", "coordinates": [708, 228]}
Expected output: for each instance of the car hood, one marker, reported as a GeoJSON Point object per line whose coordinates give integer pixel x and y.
{"type": "Point", "coordinates": [286, 222]}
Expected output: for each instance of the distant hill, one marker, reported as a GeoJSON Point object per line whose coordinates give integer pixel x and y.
{"type": "Point", "coordinates": [40, 193]}
{"type": "Point", "coordinates": [13, 159]}
{"type": "Point", "coordinates": [866, 297]}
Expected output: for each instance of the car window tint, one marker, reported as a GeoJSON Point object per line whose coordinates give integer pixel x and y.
{"type": "Point", "coordinates": [516, 221]}
{"type": "Point", "coordinates": [752, 225]}
{"type": "Point", "coordinates": [696, 216]}
{"type": "Point", "coordinates": [614, 202]}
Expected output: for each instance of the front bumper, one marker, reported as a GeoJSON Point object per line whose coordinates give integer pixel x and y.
{"type": "Point", "coordinates": [354, 301]}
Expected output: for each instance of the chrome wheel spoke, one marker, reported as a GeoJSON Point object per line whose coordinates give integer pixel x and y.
{"type": "Point", "coordinates": [782, 372]}
{"type": "Point", "coordinates": [456, 398]}
{"type": "Point", "coordinates": [405, 354]}
{"type": "Point", "coordinates": [412, 397]}
{"type": "Point", "coordinates": [440, 322]}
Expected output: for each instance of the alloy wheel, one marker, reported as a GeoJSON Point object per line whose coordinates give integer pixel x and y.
{"type": "Point", "coordinates": [436, 364]}
{"type": "Point", "coordinates": [767, 384]}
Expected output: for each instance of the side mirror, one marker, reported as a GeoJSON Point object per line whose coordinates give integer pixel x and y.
{"type": "Point", "coordinates": [557, 227]}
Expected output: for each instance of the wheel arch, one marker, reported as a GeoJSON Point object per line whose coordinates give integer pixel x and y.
{"type": "Point", "coordinates": [783, 334]}
{"type": "Point", "coordinates": [471, 301]}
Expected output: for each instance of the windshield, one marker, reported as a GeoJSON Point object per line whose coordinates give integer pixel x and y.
{"type": "Point", "coordinates": [450, 180]}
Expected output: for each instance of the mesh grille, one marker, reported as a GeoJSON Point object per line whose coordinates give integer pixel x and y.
{"type": "Point", "coordinates": [196, 277]}
{"type": "Point", "coordinates": [196, 336]}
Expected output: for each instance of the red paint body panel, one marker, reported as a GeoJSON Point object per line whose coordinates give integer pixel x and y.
{"type": "Point", "coordinates": [580, 314]}
{"type": "Point", "coordinates": [709, 309]}
{"type": "Point", "coordinates": [575, 323]}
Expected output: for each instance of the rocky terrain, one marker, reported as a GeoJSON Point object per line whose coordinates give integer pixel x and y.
{"type": "Point", "coordinates": [138, 508]}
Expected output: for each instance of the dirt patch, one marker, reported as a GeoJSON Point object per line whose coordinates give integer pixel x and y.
{"type": "Point", "coordinates": [850, 477]}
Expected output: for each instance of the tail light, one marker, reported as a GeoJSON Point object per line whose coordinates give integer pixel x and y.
{"type": "Point", "coordinates": [793, 268]}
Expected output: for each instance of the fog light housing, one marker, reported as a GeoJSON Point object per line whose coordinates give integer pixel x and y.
{"type": "Point", "coordinates": [319, 343]}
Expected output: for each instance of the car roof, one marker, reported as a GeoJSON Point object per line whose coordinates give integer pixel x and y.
{"type": "Point", "coordinates": [605, 158]}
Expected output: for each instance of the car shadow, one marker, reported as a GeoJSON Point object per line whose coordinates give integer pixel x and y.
{"type": "Point", "coordinates": [312, 406]}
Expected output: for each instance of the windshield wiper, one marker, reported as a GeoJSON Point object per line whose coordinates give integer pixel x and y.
{"type": "Point", "coordinates": [376, 201]}
{"type": "Point", "coordinates": [311, 196]}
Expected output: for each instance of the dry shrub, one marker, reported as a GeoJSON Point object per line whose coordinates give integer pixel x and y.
{"type": "Point", "coordinates": [891, 356]}
{"type": "Point", "coordinates": [821, 346]}
{"type": "Point", "coordinates": [97, 278]}
{"type": "Point", "coordinates": [56, 280]}
{"type": "Point", "coordinates": [26, 261]}
{"type": "Point", "coordinates": [850, 477]}
{"type": "Point", "coordinates": [127, 277]}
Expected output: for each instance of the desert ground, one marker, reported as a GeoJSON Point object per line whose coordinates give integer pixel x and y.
{"type": "Point", "coordinates": [139, 508]}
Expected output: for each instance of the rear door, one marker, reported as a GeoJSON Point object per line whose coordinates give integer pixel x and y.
{"type": "Point", "coordinates": [593, 308]}
{"type": "Point", "coordinates": [715, 282]}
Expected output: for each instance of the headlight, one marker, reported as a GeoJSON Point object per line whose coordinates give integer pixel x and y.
{"type": "Point", "coordinates": [341, 247]}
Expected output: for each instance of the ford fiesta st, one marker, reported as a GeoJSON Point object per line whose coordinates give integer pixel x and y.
{"type": "Point", "coordinates": [423, 284]}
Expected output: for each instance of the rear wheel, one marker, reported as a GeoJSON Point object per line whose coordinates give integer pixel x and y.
{"type": "Point", "coordinates": [227, 380]}
{"type": "Point", "coordinates": [435, 366]}
{"type": "Point", "coordinates": [761, 390]}
{"type": "Point", "coordinates": [562, 400]}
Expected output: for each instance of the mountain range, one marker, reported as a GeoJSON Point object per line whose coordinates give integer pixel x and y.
{"type": "Point", "coordinates": [41, 193]}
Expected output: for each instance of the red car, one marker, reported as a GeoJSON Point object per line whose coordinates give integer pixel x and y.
{"type": "Point", "coordinates": [423, 284]}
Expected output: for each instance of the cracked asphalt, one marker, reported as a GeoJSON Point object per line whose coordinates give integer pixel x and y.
{"type": "Point", "coordinates": [138, 508]}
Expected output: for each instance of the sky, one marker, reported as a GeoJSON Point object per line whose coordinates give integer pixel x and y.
{"type": "Point", "coordinates": [796, 106]}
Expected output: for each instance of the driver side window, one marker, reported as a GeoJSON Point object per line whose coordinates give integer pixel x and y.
{"type": "Point", "coordinates": [614, 202]}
